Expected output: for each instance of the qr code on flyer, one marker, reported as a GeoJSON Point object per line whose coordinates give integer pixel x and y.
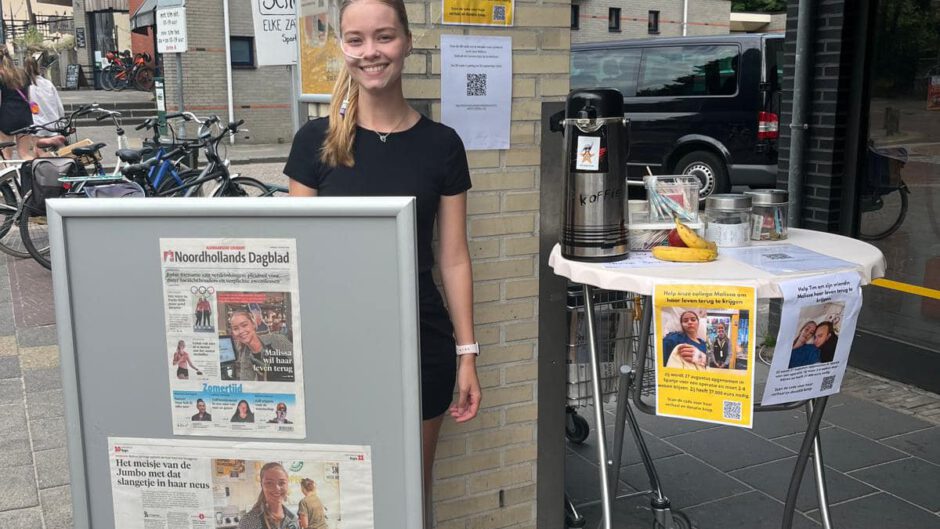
{"type": "Point", "coordinates": [732, 410]}
{"type": "Point", "coordinates": [476, 84]}
{"type": "Point", "coordinates": [499, 13]}
{"type": "Point", "coordinates": [827, 383]}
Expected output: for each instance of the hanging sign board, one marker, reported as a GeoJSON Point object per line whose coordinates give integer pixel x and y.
{"type": "Point", "coordinates": [171, 30]}
{"type": "Point", "coordinates": [275, 32]}
{"type": "Point", "coordinates": [320, 55]}
{"type": "Point", "coordinates": [478, 12]}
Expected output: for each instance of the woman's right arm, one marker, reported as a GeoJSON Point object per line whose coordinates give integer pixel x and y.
{"type": "Point", "coordinates": [299, 190]}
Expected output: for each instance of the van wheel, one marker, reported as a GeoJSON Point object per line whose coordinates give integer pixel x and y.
{"type": "Point", "coordinates": [709, 169]}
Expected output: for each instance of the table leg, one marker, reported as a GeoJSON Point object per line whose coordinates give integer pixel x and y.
{"type": "Point", "coordinates": [598, 405]}
{"type": "Point", "coordinates": [811, 437]}
{"type": "Point", "coordinates": [820, 472]}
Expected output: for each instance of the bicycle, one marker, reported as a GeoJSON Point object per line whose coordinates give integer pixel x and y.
{"type": "Point", "coordinates": [884, 199]}
{"type": "Point", "coordinates": [125, 70]}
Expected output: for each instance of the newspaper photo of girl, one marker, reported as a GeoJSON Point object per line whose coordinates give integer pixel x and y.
{"type": "Point", "coordinates": [261, 354]}
{"type": "Point", "coordinates": [183, 362]}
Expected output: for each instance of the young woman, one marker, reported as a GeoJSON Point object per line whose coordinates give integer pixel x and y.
{"type": "Point", "coordinates": [375, 144]}
{"type": "Point", "coordinates": [243, 412]}
{"type": "Point", "coordinates": [686, 342]}
{"type": "Point", "coordinates": [15, 111]}
{"type": "Point", "coordinates": [183, 362]}
{"type": "Point", "coordinates": [310, 510]}
{"type": "Point", "coordinates": [45, 95]}
{"type": "Point", "coordinates": [269, 511]}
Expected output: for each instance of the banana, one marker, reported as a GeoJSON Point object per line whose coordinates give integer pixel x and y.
{"type": "Point", "coordinates": [692, 239]}
{"type": "Point", "coordinates": [685, 255]}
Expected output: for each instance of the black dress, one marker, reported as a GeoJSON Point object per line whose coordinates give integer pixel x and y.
{"type": "Point", "coordinates": [14, 110]}
{"type": "Point", "coordinates": [426, 162]}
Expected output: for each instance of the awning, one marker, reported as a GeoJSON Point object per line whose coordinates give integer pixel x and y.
{"type": "Point", "coordinates": [144, 16]}
{"type": "Point", "coordinates": [92, 6]}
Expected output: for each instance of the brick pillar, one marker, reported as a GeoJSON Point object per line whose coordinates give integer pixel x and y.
{"type": "Point", "coordinates": [833, 42]}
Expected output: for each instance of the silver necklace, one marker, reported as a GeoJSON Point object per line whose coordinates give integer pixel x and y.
{"type": "Point", "coordinates": [384, 137]}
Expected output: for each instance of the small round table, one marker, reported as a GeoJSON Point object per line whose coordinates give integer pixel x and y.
{"type": "Point", "coordinates": [862, 257]}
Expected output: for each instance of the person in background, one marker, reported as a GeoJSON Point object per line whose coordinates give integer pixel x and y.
{"type": "Point", "coordinates": [44, 94]}
{"type": "Point", "coordinates": [269, 511]}
{"type": "Point", "coordinates": [375, 144]}
{"type": "Point", "coordinates": [15, 110]}
{"type": "Point", "coordinates": [310, 510]}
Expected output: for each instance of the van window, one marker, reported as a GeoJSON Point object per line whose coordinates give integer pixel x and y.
{"type": "Point", "coordinates": [689, 71]}
{"type": "Point", "coordinates": [773, 61]}
{"type": "Point", "coordinates": [611, 68]}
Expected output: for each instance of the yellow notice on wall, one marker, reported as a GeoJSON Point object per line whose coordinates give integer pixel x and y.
{"type": "Point", "coordinates": [478, 12]}
{"type": "Point", "coordinates": [705, 352]}
{"type": "Point", "coordinates": [320, 54]}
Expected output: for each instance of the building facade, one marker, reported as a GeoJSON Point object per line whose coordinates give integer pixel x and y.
{"type": "Point", "coordinates": [600, 20]}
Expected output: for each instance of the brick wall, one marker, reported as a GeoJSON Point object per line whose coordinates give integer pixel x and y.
{"type": "Point", "coordinates": [485, 471]}
{"type": "Point", "coordinates": [706, 17]}
{"type": "Point", "coordinates": [261, 95]}
{"type": "Point", "coordinates": [825, 157]}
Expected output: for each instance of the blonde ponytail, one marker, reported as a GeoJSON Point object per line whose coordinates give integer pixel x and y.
{"type": "Point", "coordinates": [338, 147]}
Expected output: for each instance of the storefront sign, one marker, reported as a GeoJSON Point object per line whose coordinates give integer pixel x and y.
{"type": "Point", "coordinates": [171, 30]}
{"type": "Point", "coordinates": [275, 32]}
{"type": "Point", "coordinates": [705, 352]}
{"type": "Point", "coordinates": [817, 325]}
{"type": "Point", "coordinates": [320, 55]}
{"type": "Point", "coordinates": [478, 12]}
{"type": "Point", "coordinates": [476, 89]}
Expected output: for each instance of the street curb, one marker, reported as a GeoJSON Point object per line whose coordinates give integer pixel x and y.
{"type": "Point", "coordinates": [262, 159]}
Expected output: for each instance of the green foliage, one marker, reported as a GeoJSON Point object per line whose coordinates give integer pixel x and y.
{"type": "Point", "coordinates": [31, 40]}
{"type": "Point", "coordinates": [760, 6]}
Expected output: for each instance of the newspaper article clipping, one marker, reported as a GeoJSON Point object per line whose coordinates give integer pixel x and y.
{"type": "Point", "coordinates": [817, 325]}
{"type": "Point", "coordinates": [190, 484]}
{"type": "Point", "coordinates": [233, 344]}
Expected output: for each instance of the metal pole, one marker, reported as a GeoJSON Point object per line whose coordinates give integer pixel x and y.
{"type": "Point", "coordinates": [179, 80]}
{"type": "Point", "coordinates": [801, 99]}
{"type": "Point", "coordinates": [685, 17]}
{"type": "Point", "coordinates": [294, 97]}
{"type": "Point", "coordinates": [819, 468]}
{"type": "Point", "coordinates": [602, 461]}
{"type": "Point", "coordinates": [228, 67]}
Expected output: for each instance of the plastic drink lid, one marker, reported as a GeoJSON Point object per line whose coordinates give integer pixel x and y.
{"type": "Point", "coordinates": [768, 197]}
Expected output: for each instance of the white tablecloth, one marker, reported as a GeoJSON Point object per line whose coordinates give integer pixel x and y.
{"type": "Point", "coordinates": [868, 260]}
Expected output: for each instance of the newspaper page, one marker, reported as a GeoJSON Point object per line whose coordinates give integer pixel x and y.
{"type": "Point", "coordinates": [817, 325]}
{"type": "Point", "coordinates": [233, 347]}
{"type": "Point", "coordinates": [705, 352]}
{"type": "Point", "coordinates": [190, 484]}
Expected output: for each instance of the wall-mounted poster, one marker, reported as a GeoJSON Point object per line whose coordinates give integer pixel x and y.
{"type": "Point", "coordinates": [478, 12]}
{"type": "Point", "coordinates": [320, 54]}
{"type": "Point", "coordinates": [705, 352]}
{"type": "Point", "coordinates": [187, 484]}
{"type": "Point", "coordinates": [275, 32]}
{"type": "Point", "coordinates": [233, 343]}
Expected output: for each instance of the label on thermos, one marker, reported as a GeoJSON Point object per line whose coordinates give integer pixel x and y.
{"type": "Point", "coordinates": [588, 156]}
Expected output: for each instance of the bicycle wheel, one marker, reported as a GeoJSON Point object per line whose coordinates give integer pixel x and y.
{"type": "Point", "coordinates": [143, 79]}
{"type": "Point", "coordinates": [8, 207]}
{"type": "Point", "coordinates": [886, 215]}
{"type": "Point", "coordinates": [10, 242]}
{"type": "Point", "coordinates": [35, 233]}
{"type": "Point", "coordinates": [106, 78]}
{"type": "Point", "coordinates": [243, 186]}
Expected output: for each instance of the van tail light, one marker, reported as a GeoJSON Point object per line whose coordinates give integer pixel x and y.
{"type": "Point", "coordinates": [768, 126]}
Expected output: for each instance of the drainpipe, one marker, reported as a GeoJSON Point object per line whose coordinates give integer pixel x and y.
{"type": "Point", "coordinates": [685, 17]}
{"type": "Point", "coordinates": [228, 67]}
{"type": "Point", "coordinates": [802, 98]}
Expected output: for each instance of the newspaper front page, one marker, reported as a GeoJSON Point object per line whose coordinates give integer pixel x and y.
{"type": "Point", "coordinates": [191, 484]}
{"type": "Point", "coordinates": [233, 342]}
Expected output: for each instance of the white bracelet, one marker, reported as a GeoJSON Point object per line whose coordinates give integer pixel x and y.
{"type": "Point", "coordinates": [469, 349]}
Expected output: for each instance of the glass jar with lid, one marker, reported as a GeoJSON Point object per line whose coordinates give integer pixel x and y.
{"type": "Point", "coordinates": [727, 219]}
{"type": "Point", "coordinates": [769, 211]}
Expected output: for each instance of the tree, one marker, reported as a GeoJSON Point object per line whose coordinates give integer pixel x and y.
{"type": "Point", "coordinates": [768, 6]}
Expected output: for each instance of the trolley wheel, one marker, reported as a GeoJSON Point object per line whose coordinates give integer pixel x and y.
{"type": "Point", "coordinates": [679, 521]}
{"type": "Point", "coordinates": [577, 428]}
{"type": "Point", "coordinates": [574, 523]}
{"type": "Point", "coordinates": [884, 215]}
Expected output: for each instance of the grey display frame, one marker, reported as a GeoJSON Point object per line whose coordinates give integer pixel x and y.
{"type": "Point", "coordinates": [395, 436]}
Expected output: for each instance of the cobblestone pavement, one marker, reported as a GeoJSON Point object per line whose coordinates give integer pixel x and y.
{"type": "Point", "coordinates": [35, 492]}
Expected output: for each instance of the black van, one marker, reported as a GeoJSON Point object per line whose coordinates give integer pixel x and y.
{"type": "Point", "coordinates": [706, 106]}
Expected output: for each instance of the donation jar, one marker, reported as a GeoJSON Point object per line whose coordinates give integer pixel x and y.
{"type": "Point", "coordinates": [769, 209]}
{"type": "Point", "coordinates": [596, 143]}
{"type": "Point", "coordinates": [728, 220]}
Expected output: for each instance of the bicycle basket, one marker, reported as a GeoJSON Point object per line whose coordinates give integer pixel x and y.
{"type": "Point", "coordinates": [42, 178]}
{"type": "Point", "coordinates": [884, 166]}
{"type": "Point", "coordinates": [116, 190]}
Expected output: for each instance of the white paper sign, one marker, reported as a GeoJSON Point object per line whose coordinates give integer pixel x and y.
{"type": "Point", "coordinates": [589, 153]}
{"type": "Point", "coordinates": [171, 30]}
{"type": "Point", "coordinates": [186, 484]}
{"type": "Point", "coordinates": [817, 325]}
{"type": "Point", "coordinates": [476, 89]}
{"type": "Point", "coordinates": [785, 258]}
{"type": "Point", "coordinates": [275, 32]}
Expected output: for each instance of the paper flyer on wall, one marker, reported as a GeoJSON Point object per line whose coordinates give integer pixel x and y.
{"type": "Point", "coordinates": [477, 12]}
{"type": "Point", "coordinates": [817, 324]}
{"type": "Point", "coordinates": [233, 344]}
{"type": "Point", "coordinates": [705, 352]}
{"type": "Point", "coordinates": [190, 484]}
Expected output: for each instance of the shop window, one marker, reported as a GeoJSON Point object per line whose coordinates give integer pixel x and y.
{"type": "Point", "coordinates": [613, 20]}
{"type": "Point", "coordinates": [243, 52]}
{"type": "Point", "coordinates": [575, 16]}
{"type": "Point", "coordinates": [653, 23]}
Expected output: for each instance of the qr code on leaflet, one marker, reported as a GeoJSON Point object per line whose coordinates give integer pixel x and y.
{"type": "Point", "coordinates": [499, 13]}
{"type": "Point", "coordinates": [476, 84]}
{"type": "Point", "coordinates": [732, 410]}
{"type": "Point", "coordinates": [827, 383]}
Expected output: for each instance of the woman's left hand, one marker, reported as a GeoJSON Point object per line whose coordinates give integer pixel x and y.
{"type": "Point", "coordinates": [468, 403]}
